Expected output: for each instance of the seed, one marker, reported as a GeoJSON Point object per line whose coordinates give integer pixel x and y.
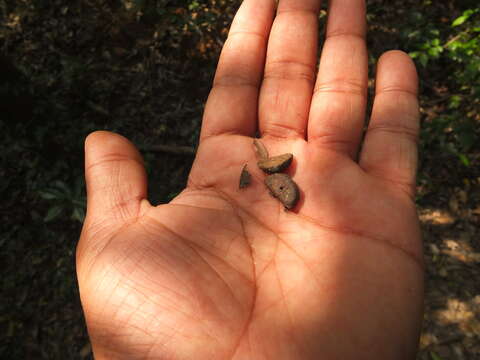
{"type": "Point", "coordinates": [284, 189]}
{"type": "Point", "coordinates": [261, 150]}
{"type": "Point", "coordinates": [245, 178]}
{"type": "Point", "coordinates": [276, 163]}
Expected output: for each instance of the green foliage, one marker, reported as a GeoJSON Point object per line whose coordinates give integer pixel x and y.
{"type": "Point", "coordinates": [434, 356]}
{"type": "Point", "coordinates": [452, 49]}
{"type": "Point", "coordinates": [465, 16]}
{"type": "Point", "coordinates": [198, 26]}
{"type": "Point", "coordinates": [464, 49]}
{"type": "Point", "coordinates": [64, 200]}
{"type": "Point", "coordinates": [430, 49]}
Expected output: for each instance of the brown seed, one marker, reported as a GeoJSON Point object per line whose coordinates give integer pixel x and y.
{"type": "Point", "coordinates": [276, 163]}
{"type": "Point", "coordinates": [284, 189]}
{"type": "Point", "coordinates": [245, 178]}
{"type": "Point", "coordinates": [260, 149]}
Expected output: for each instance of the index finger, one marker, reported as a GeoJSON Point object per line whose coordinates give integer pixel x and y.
{"type": "Point", "coordinates": [232, 104]}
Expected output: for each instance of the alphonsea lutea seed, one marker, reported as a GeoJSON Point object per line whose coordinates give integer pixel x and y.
{"type": "Point", "coordinates": [275, 164]}
{"type": "Point", "coordinates": [260, 149]}
{"type": "Point", "coordinates": [245, 178]}
{"type": "Point", "coordinates": [283, 188]}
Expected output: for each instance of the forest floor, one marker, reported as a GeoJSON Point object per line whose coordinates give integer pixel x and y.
{"type": "Point", "coordinates": [88, 67]}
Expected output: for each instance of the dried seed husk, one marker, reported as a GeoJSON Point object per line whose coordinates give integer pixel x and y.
{"type": "Point", "coordinates": [260, 149]}
{"type": "Point", "coordinates": [284, 189]}
{"type": "Point", "coordinates": [275, 164]}
{"type": "Point", "coordinates": [245, 178]}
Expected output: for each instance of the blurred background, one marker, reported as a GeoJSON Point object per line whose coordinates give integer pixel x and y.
{"type": "Point", "coordinates": [144, 68]}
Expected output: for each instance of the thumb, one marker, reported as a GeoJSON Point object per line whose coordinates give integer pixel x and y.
{"type": "Point", "coordinates": [115, 177]}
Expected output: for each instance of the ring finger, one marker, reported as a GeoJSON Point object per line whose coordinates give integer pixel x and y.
{"type": "Point", "coordinates": [338, 106]}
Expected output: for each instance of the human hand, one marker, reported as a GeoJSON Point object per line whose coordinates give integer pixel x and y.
{"type": "Point", "coordinates": [223, 273]}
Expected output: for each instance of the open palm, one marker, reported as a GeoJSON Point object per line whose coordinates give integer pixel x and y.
{"type": "Point", "coordinates": [224, 273]}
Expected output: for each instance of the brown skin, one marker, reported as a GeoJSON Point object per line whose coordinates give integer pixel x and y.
{"type": "Point", "coordinates": [221, 273]}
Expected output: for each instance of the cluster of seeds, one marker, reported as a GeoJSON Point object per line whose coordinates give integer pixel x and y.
{"type": "Point", "coordinates": [281, 185]}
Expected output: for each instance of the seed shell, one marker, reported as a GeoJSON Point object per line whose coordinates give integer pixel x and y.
{"type": "Point", "coordinates": [245, 178]}
{"type": "Point", "coordinates": [283, 188]}
{"type": "Point", "coordinates": [275, 164]}
{"type": "Point", "coordinates": [260, 149]}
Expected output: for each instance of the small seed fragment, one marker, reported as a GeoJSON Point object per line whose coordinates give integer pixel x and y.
{"type": "Point", "coordinates": [275, 164]}
{"type": "Point", "coordinates": [245, 178]}
{"type": "Point", "coordinates": [284, 189]}
{"type": "Point", "coordinates": [260, 149]}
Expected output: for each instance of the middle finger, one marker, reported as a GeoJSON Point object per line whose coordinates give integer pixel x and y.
{"type": "Point", "coordinates": [290, 67]}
